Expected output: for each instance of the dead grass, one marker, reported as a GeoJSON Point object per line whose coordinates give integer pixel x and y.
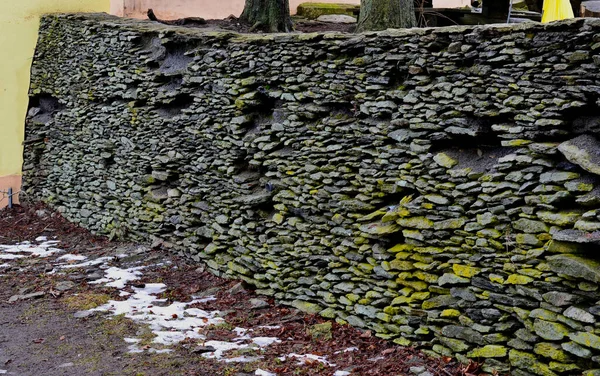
{"type": "Point", "coordinates": [85, 301]}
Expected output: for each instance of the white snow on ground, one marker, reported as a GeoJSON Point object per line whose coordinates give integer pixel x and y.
{"type": "Point", "coordinates": [70, 257]}
{"type": "Point", "coordinates": [98, 261]}
{"type": "Point", "coordinates": [43, 249]}
{"type": "Point", "coordinates": [117, 277]}
{"type": "Point", "coordinates": [243, 359]}
{"type": "Point", "coordinates": [170, 323]}
{"type": "Point", "coordinates": [341, 373]}
{"type": "Point", "coordinates": [4, 265]}
{"type": "Point", "coordinates": [265, 341]}
{"type": "Point", "coordinates": [10, 257]}
{"type": "Point", "coordinates": [307, 357]}
{"type": "Point", "coordinates": [347, 350]}
{"type": "Point", "coordinates": [175, 322]}
{"type": "Point", "coordinates": [221, 347]}
{"type": "Point", "coordinates": [260, 372]}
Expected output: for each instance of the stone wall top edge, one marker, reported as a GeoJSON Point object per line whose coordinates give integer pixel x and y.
{"type": "Point", "coordinates": [149, 26]}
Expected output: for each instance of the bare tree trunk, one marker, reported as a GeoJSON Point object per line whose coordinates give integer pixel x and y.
{"type": "Point", "coordinates": [384, 14]}
{"type": "Point", "coordinates": [268, 15]}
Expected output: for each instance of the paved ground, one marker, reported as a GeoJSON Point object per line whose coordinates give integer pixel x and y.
{"type": "Point", "coordinates": [75, 304]}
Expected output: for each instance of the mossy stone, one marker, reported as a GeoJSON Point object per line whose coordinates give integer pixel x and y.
{"type": "Point", "coordinates": [465, 270]}
{"type": "Point", "coordinates": [552, 351]}
{"type": "Point", "coordinates": [450, 313]}
{"type": "Point", "coordinates": [529, 362]}
{"type": "Point", "coordinates": [314, 10]}
{"type": "Point", "coordinates": [586, 339]}
{"type": "Point", "coordinates": [421, 223]}
{"type": "Point", "coordinates": [575, 266]}
{"type": "Point", "coordinates": [445, 160]}
{"type": "Point", "coordinates": [306, 307]}
{"type": "Point", "coordinates": [518, 279]}
{"type": "Point", "coordinates": [530, 226]}
{"type": "Point", "coordinates": [401, 265]}
{"type": "Point", "coordinates": [550, 330]}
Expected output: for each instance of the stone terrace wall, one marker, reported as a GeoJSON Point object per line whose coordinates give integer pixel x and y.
{"type": "Point", "coordinates": [437, 186]}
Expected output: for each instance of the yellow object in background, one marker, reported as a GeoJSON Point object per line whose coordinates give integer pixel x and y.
{"type": "Point", "coordinates": [19, 22]}
{"type": "Point", "coordinates": [554, 10]}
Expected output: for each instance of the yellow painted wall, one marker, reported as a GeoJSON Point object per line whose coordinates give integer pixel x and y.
{"type": "Point", "coordinates": [19, 23]}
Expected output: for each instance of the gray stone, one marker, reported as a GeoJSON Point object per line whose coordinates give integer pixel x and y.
{"type": "Point", "coordinates": [33, 295]}
{"type": "Point", "coordinates": [550, 330]}
{"type": "Point", "coordinates": [337, 18]}
{"type": "Point", "coordinates": [461, 332]}
{"type": "Point", "coordinates": [560, 299]}
{"type": "Point", "coordinates": [579, 315]}
{"type": "Point", "coordinates": [83, 314]}
{"type": "Point", "coordinates": [583, 151]}
{"type": "Point", "coordinates": [64, 285]}
{"type": "Point", "coordinates": [575, 266]}
{"type": "Point", "coordinates": [577, 350]}
{"type": "Point", "coordinates": [258, 303]}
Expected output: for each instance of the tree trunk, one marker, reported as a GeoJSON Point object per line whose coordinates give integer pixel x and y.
{"type": "Point", "coordinates": [384, 14]}
{"type": "Point", "coordinates": [590, 9]}
{"type": "Point", "coordinates": [269, 15]}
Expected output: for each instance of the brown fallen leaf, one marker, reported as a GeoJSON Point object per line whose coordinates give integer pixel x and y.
{"type": "Point", "coordinates": [367, 334]}
{"type": "Point", "coordinates": [62, 338]}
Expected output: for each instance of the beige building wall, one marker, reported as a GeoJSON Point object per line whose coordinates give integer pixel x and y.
{"type": "Point", "coordinates": [19, 22]}
{"type": "Point", "coordinates": [213, 9]}
{"type": "Point", "coordinates": [209, 9]}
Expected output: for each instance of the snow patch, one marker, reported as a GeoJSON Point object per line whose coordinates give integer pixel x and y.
{"type": "Point", "coordinates": [170, 323]}
{"type": "Point", "coordinates": [44, 249]}
{"type": "Point", "coordinates": [243, 359]}
{"type": "Point", "coordinates": [260, 372]}
{"type": "Point", "coordinates": [341, 373]}
{"type": "Point", "coordinates": [10, 257]}
{"type": "Point", "coordinates": [117, 277]}
{"type": "Point", "coordinates": [71, 257]}
{"type": "Point", "coordinates": [308, 357]}
{"type": "Point", "coordinates": [221, 347]}
{"type": "Point", "coordinates": [99, 260]}
{"type": "Point", "coordinates": [265, 341]}
{"type": "Point", "coordinates": [349, 349]}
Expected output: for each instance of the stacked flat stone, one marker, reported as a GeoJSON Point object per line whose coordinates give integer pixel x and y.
{"type": "Point", "coordinates": [437, 186]}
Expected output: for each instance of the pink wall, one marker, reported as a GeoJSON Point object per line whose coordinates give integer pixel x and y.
{"type": "Point", "coordinates": [209, 9]}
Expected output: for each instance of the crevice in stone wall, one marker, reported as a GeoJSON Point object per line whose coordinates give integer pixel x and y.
{"type": "Point", "coordinates": [108, 161]}
{"type": "Point", "coordinates": [472, 131]}
{"type": "Point", "coordinates": [42, 108]}
{"type": "Point", "coordinates": [584, 119]}
{"type": "Point", "coordinates": [153, 48]}
{"type": "Point", "coordinates": [169, 84]}
{"type": "Point", "coordinates": [176, 59]}
{"type": "Point", "coordinates": [173, 107]}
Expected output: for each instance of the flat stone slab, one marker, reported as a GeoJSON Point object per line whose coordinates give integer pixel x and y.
{"type": "Point", "coordinates": [314, 10]}
{"type": "Point", "coordinates": [337, 18]}
{"type": "Point", "coordinates": [575, 266]}
{"type": "Point", "coordinates": [577, 236]}
{"type": "Point", "coordinates": [583, 151]}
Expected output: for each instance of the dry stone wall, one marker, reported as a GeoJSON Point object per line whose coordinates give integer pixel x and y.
{"type": "Point", "coordinates": [437, 186]}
